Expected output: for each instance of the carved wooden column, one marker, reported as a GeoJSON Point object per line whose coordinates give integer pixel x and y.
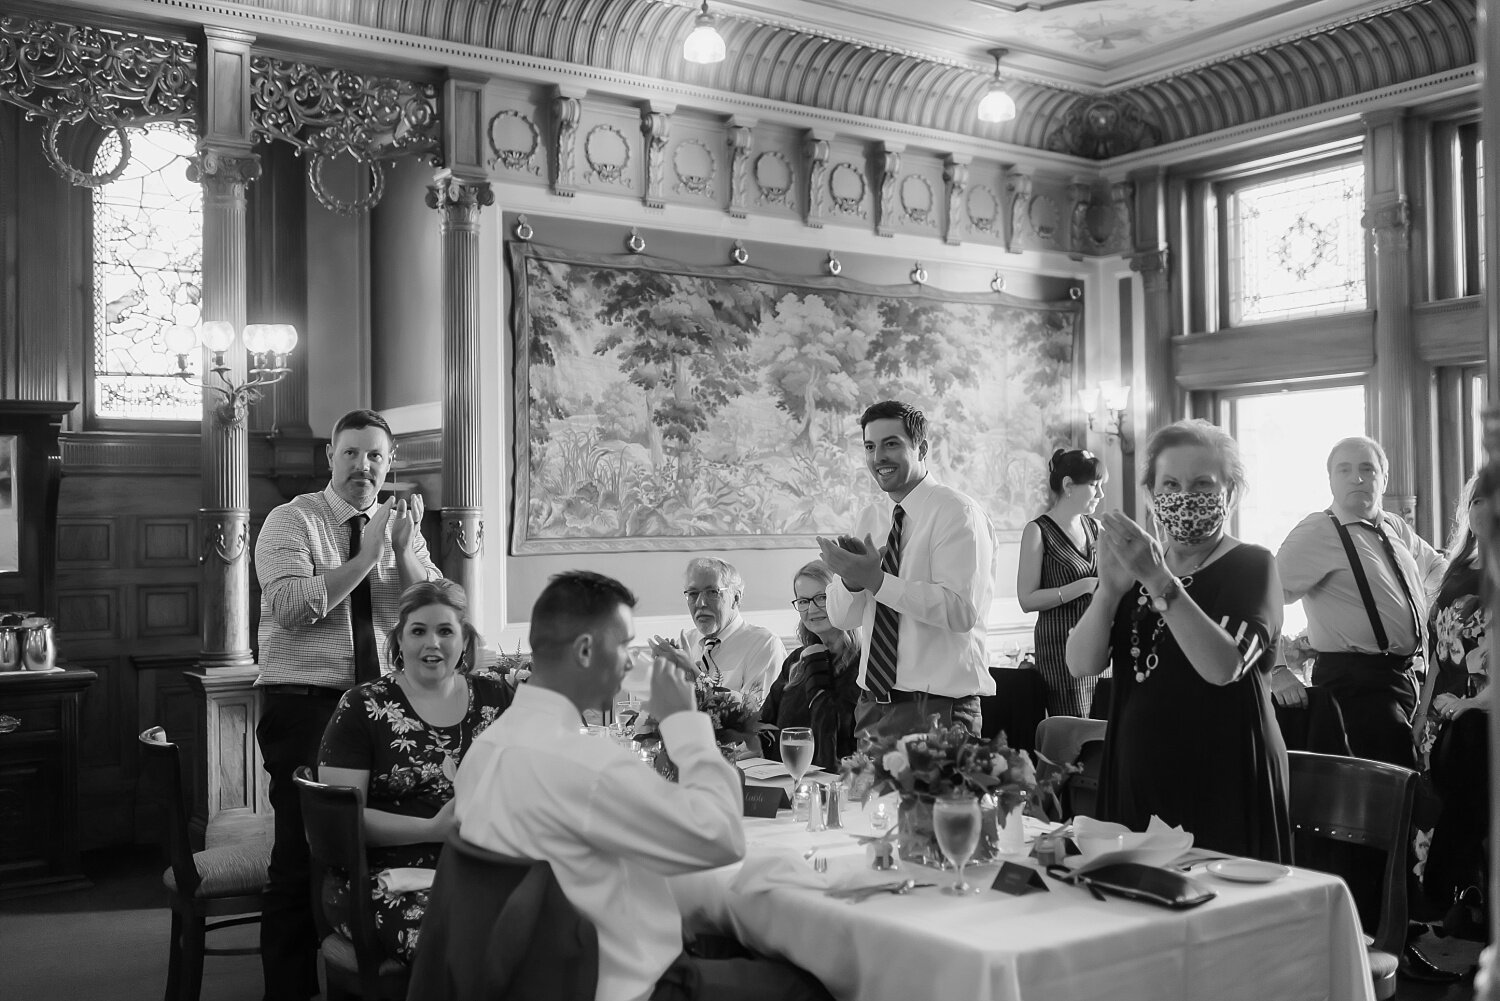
{"type": "Point", "coordinates": [1162, 401]}
{"type": "Point", "coordinates": [458, 193]}
{"type": "Point", "coordinates": [229, 768]}
{"type": "Point", "coordinates": [1388, 218]}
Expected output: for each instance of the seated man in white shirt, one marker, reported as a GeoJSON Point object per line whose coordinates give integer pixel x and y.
{"type": "Point", "coordinates": [533, 786]}
{"type": "Point", "coordinates": [729, 651]}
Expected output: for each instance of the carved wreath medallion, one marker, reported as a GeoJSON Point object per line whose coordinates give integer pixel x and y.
{"type": "Point", "coordinates": [514, 139]}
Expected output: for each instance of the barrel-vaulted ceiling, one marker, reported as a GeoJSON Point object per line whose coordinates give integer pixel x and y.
{"type": "Point", "coordinates": [1379, 46]}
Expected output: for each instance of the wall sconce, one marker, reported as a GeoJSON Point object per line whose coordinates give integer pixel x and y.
{"type": "Point", "coordinates": [997, 105]}
{"type": "Point", "coordinates": [704, 44]}
{"type": "Point", "coordinates": [1105, 405]}
{"type": "Point", "coordinates": [269, 345]}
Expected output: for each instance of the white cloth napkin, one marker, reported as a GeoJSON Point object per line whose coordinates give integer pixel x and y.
{"type": "Point", "coordinates": [1103, 843]}
{"type": "Point", "coordinates": [405, 880]}
{"type": "Point", "coordinates": [768, 872]}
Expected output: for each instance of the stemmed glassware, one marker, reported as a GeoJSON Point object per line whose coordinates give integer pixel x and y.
{"type": "Point", "coordinates": [955, 821]}
{"type": "Point", "coordinates": [796, 753]}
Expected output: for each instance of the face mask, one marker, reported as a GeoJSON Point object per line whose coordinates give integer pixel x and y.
{"type": "Point", "coordinates": [1191, 518]}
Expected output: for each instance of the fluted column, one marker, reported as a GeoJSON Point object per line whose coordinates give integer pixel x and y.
{"type": "Point", "coordinates": [458, 202]}
{"type": "Point", "coordinates": [1388, 218]}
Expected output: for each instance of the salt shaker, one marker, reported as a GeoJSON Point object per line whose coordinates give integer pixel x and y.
{"type": "Point", "coordinates": [801, 797]}
{"type": "Point", "coordinates": [834, 816]}
{"type": "Point", "coordinates": [816, 793]}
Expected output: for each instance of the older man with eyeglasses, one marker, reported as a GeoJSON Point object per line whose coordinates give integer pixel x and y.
{"type": "Point", "coordinates": [730, 652]}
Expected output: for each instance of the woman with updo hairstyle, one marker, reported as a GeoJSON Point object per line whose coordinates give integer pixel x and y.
{"type": "Point", "coordinates": [399, 740]}
{"type": "Point", "coordinates": [1189, 623]}
{"type": "Point", "coordinates": [1058, 571]}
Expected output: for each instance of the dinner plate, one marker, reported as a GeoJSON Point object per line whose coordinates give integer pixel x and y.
{"type": "Point", "coordinates": [1247, 870]}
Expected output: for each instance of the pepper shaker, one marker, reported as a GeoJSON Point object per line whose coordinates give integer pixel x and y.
{"type": "Point", "coordinates": [834, 819]}
{"type": "Point", "coordinates": [815, 808]}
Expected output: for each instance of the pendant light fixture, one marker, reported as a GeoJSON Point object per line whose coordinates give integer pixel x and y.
{"type": "Point", "coordinates": [997, 105]}
{"type": "Point", "coordinates": [704, 44]}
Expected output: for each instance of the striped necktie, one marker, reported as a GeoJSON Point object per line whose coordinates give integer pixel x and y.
{"type": "Point", "coordinates": [880, 673]}
{"type": "Point", "coordinates": [711, 668]}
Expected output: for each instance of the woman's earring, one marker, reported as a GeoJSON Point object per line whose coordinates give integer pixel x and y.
{"type": "Point", "coordinates": [400, 662]}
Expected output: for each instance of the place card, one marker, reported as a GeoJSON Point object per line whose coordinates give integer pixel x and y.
{"type": "Point", "coordinates": [763, 801]}
{"type": "Point", "coordinates": [1019, 880]}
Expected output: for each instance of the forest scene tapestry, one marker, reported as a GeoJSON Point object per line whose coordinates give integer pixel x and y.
{"type": "Point", "coordinates": [661, 405]}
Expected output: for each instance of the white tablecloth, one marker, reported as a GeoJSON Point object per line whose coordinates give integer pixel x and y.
{"type": "Point", "coordinates": [1296, 938]}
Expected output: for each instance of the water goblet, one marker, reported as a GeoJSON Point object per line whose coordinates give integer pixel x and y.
{"type": "Point", "coordinates": [796, 753]}
{"type": "Point", "coordinates": [956, 822]}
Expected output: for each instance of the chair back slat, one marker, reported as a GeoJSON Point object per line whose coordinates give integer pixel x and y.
{"type": "Point", "coordinates": [1068, 740]}
{"type": "Point", "coordinates": [161, 774]}
{"type": "Point", "coordinates": [1361, 802]}
{"type": "Point", "coordinates": [334, 819]}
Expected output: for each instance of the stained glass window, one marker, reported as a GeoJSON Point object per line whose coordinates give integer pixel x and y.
{"type": "Point", "coordinates": [148, 277]}
{"type": "Point", "coordinates": [1296, 246]}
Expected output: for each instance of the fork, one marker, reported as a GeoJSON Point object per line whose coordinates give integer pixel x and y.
{"type": "Point", "coordinates": [820, 864]}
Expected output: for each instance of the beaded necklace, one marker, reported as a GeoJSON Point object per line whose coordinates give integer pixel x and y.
{"type": "Point", "coordinates": [1143, 601]}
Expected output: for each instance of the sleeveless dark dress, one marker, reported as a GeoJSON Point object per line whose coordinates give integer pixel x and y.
{"type": "Point", "coordinates": [411, 764]}
{"type": "Point", "coordinates": [1207, 757]}
{"type": "Point", "coordinates": [1062, 564]}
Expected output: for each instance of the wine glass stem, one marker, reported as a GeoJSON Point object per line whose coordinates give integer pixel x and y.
{"type": "Point", "coordinates": [961, 886]}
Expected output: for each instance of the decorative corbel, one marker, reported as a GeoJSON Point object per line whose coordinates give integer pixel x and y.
{"type": "Point", "coordinates": [567, 109]}
{"type": "Point", "coordinates": [1018, 186]}
{"type": "Point", "coordinates": [656, 129]}
{"type": "Point", "coordinates": [890, 173]}
{"type": "Point", "coordinates": [741, 135]}
{"type": "Point", "coordinates": [816, 149]}
{"type": "Point", "coordinates": [956, 179]}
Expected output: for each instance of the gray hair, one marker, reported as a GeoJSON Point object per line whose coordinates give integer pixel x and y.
{"type": "Point", "coordinates": [727, 574]}
{"type": "Point", "coordinates": [1200, 432]}
{"type": "Point", "coordinates": [1359, 439]}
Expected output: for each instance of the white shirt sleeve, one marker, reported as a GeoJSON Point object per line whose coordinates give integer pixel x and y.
{"type": "Point", "coordinates": [962, 555]}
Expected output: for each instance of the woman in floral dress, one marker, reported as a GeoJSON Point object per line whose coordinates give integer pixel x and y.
{"type": "Point", "coordinates": [399, 740]}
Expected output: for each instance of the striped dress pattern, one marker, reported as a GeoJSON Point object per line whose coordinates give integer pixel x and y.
{"type": "Point", "coordinates": [1062, 564]}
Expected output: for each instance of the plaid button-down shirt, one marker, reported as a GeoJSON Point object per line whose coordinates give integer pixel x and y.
{"type": "Point", "coordinates": [302, 640]}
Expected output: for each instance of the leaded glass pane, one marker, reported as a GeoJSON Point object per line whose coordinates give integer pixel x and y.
{"type": "Point", "coordinates": [148, 275]}
{"type": "Point", "coordinates": [1296, 246]}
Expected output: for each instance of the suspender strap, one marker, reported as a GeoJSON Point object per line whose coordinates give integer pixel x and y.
{"type": "Point", "coordinates": [1363, 582]}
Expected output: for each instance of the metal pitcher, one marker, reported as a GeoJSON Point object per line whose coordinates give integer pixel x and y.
{"type": "Point", "coordinates": [38, 649]}
{"type": "Point", "coordinates": [11, 642]}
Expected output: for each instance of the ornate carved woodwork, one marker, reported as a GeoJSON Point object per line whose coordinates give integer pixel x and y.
{"type": "Point", "coordinates": [741, 135]}
{"type": "Point", "coordinates": [955, 179]}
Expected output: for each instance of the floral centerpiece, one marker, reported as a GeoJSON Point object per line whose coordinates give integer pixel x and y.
{"type": "Point", "coordinates": [735, 719]}
{"type": "Point", "coordinates": [923, 767]}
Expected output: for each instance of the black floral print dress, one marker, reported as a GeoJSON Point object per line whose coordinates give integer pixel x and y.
{"type": "Point", "coordinates": [411, 764]}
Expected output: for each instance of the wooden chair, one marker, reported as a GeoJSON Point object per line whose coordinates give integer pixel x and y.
{"type": "Point", "coordinates": [224, 882]}
{"type": "Point", "coordinates": [501, 927]}
{"type": "Point", "coordinates": [355, 966]}
{"type": "Point", "coordinates": [1355, 801]}
{"type": "Point", "coordinates": [1018, 705]}
{"type": "Point", "coordinates": [1074, 740]}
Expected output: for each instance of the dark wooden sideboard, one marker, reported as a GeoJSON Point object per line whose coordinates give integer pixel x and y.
{"type": "Point", "coordinates": [39, 779]}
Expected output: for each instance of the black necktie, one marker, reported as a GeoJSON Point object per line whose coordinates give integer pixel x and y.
{"type": "Point", "coordinates": [361, 615]}
{"type": "Point", "coordinates": [1411, 602]}
{"type": "Point", "coordinates": [880, 672]}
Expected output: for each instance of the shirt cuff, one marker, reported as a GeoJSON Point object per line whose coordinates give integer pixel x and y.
{"type": "Point", "coordinates": [892, 591]}
{"type": "Point", "coordinates": [685, 730]}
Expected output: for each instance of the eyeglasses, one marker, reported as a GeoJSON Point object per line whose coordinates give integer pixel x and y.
{"type": "Point", "coordinates": [800, 604]}
{"type": "Point", "coordinates": [712, 594]}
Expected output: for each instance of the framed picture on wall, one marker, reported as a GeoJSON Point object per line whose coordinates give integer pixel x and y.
{"type": "Point", "coordinates": [668, 406]}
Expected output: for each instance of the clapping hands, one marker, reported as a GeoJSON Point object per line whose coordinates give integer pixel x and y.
{"type": "Point", "coordinates": [857, 561]}
{"type": "Point", "coordinates": [1127, 553]}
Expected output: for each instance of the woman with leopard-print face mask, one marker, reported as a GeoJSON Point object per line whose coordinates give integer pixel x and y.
{"type": "Point", "coordinates": [1189, 617]}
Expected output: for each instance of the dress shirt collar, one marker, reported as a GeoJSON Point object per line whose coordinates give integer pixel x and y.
{"type": "Point", "coordinates": [735, 624]}
{"type": "Point", "coordinates": [1353, 519]}
{"type": "Point", "coordinates": [342, 509]}
{"type": "Point", "coordinates": [921, 497]}
{"type": "Point", "coordinates": [545, 702]}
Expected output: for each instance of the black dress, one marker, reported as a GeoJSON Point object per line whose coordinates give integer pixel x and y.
{"type": "Point", "coordinates": [1062, 564]}
{"type": "Point", "coordinates": [810, 692]}
{"type": "Point", "coordinates": [411, 764]}
{"type": "Point", "coordinates": [1207, 757]}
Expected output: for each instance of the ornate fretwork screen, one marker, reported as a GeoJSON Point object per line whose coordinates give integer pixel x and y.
{"type": "Point", "coordinates": [1295, 246]}
{"type": "Point", "coordinates": [148, 277]}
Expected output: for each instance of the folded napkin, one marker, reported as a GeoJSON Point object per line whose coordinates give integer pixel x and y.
{"type": "Point", "coordinates": [405, 880]}
{"type": "Point", "coordinates": [1103, 843]}
{"type": "Point", "coordinates": [769, 872]}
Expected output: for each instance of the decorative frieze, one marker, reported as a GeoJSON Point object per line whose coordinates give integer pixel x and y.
{"type": "Point", "coordinates": [694, 165]}
{"type": "Point", "coordinates": [774, 179]}
{"type": "Point", "coordinates": [514, 142]}
{"type": "Point", "coordinates": [327, 113]}
{"type": "Point", "coordinates": [607, 153]}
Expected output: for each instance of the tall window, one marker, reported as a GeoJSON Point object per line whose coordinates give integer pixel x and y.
{"type": "Point", "coordinates": [1295, 245]}
{"type": "Point", "coordinates": [148, 277]}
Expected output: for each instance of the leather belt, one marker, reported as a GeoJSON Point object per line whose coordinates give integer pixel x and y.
{"type": "Point", "coordinates": [315, 691]}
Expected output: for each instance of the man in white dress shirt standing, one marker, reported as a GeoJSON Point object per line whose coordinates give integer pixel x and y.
{"type": "Point", "coordinates": [729, 652]}
{"type": "Point", "coordinates": [533, 786]}
{"type": "Point", "coordinates": [916, 578]}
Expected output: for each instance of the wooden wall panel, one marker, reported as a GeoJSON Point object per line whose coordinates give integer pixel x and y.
{"type": "Point", "coordinates": [85, 543]}
{"type": "Point", "coordinates": [167, 542]}
{"type": "Point", "coordinates": [167, 611]}
{"type": "Point", "coordinates": [88, 614]}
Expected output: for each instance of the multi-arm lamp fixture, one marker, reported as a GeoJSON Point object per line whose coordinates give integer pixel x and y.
{"type": "Point", "coordinates": [997, 105]}
{"type": "Point", "coordinates": [269, 345]}
{"type": "Point", "coordinates": [704, 44]}
{"type": "Point", "coordinates": [1105, 405]}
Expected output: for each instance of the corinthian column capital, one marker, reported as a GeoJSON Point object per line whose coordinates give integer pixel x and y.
{"type": "Point", "coordinates": [459, 199]}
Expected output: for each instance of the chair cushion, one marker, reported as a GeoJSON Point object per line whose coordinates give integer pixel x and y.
{"type": "Point", "coordinates": [230, 871]}
{"type": "Point", "coordinates": [1382, 964]}
{"type": "Point", "coordinates": [339, 951]}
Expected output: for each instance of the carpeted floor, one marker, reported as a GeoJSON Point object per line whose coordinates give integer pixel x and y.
{"type": "Point", "coordinates": [109, 943]}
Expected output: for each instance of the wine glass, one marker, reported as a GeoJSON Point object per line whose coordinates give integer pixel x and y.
{"type": "Point", "coordinates": [955, 821]}
{"type": "Point", "coordinates": [627, 711]}
{"type": "Point", "coordinates": [796, 753]}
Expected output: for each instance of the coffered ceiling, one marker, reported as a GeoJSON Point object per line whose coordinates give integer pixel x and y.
{"type": "Point", "coordinates": [1099, 44]}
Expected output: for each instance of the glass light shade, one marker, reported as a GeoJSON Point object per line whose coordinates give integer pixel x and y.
{"type": "Point", "coordinates": [283, 338]}
{"type": "Point", "coordinates": [181, 340]}
{"type": "Point", "coordinates": [1115, 395]}
{"type": "Point", "coordinates": [257, 337]}
{"type": "Point", "coordinates": [217, 335]}
{"type": "Point", "coordinates": [1088, 399]}
{"type": "Point", "coordinates": [704, 44]}
{"type": "Point", "coordinates": [997, 105]}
